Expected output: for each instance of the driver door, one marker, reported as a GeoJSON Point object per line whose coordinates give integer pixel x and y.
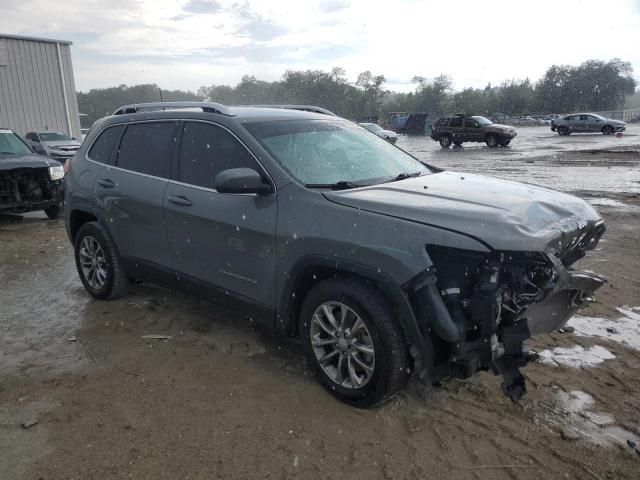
{"type": "Point", "coordinates": [222, 239]}
{"type": "Point", "coordinates": [472, 131]}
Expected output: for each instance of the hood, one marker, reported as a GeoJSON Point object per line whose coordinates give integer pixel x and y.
{"type": "Point", "coordinates": [505, 215]}
{"type": "Point", "coordinates": [613, 120]}
{"type": "Point", "coordinates": [499, 126]}
{"type": "Point", "coordinates": [12, 162]}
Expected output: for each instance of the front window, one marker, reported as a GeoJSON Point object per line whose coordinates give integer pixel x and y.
{"type": "Point", "coordinates": [11, 144]}
{"type": "Point", "coordinates": [325, 152]}
{"type": "Point", "coordinates": [482, 121]}
{"type": "Point", "coordinates": [54, 137]}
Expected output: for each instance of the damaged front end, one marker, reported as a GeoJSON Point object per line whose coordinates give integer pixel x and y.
{"type": "Point", "coordinates": [28, 189]}
{"type": "Point", "coordinates": [478, 308]}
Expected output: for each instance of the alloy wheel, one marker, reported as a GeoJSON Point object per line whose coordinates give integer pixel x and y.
{"type": "Point", "coordinates": [92, 262]}
{"type": "Point", "coordinates": [342, 345]}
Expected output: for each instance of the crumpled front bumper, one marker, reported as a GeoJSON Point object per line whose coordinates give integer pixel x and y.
{"type": "Point", "coordinates": [572, 290]}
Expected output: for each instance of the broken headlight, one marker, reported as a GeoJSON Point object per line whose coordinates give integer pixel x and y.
{"type": "Point", "coordinates": [56, 173]}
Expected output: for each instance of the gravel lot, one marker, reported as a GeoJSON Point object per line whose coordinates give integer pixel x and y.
{"type": "Point", "coordinates": [83, 395]}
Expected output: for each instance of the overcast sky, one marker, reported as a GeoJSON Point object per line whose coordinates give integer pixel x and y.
{"type": "Point", "coordinates": [188, 43]}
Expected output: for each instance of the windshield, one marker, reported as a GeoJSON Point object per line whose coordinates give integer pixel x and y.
{"type": "Point", "coordinates": [482, 120]}
{"type": "Point", "coordinates": [372, 127]}
{"type": "Point", "coordinates": [326, 152]}
{"type": "Point", "coordinates": [11, 144]}
{"type": "Point", "coordinates": [54, 137]}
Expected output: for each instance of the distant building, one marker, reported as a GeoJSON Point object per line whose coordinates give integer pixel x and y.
{"type": "Point", "coordinates": [37, 91]}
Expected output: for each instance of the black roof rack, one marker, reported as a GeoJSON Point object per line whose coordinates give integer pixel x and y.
{"type": "Point", "coordinates": [304, 108]}
{"type": "Point", "coordinates": [209, 107]}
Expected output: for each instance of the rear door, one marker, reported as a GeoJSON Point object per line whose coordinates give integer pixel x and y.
{"type": "Point", "coordinates": [226, 240]}
{"type": "Point", "coordinates": [130, 193]}
{"type": "Point", "coordinates": [456, 129]}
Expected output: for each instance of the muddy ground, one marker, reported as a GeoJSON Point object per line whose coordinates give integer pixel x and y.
{"type": "Point", "coordinates": [222, 399]}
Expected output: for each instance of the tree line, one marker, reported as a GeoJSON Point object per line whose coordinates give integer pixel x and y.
{"type": "Point", "coordinates": [594, 85]}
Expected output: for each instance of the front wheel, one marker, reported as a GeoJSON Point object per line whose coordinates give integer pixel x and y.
{"type": "Point", "coordinates": [445, 141]}
{"type": "Point", "coordinates": [353, 342]}
{"type": "Point", "coordinates": [607, 130]}
{"type": "Point", "coordinates": [492, 141]}
{"type": "Point", "coordinates": [98, 262]}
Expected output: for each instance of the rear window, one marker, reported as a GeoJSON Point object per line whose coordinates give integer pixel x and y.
{"type": "Point", "coordinates": [442, 122]}
{"type": "Point", "coordinates": [147, 148]}
{"type": "Point", "coordinates": [456, 122]}
{"type": "Point", "coordinates": [103, 146]}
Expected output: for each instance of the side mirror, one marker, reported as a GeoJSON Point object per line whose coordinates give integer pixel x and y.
{"type": "Point", "coordinates": [241, 180]}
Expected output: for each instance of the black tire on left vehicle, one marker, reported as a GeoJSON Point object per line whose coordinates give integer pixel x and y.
{"type": "Point", "coordinates": [53, 212]}
{"type": "Point", "coordinates": [98, 262]}
{"type": "Point", "coordinates": [607, 130]}
{"type": "Point", "coordinates": [445, 141]}
{"type": "Point", "coordinates": [353, 342]}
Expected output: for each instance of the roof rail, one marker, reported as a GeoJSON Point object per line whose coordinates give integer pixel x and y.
{"type": "Point", "coordinates": [209, 107]}
{"type": "Point", "coordinates": [304, 108]}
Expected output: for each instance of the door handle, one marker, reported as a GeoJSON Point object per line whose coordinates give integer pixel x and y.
{"type": "Point", "coordinates": [180, 200]}
{"type": "Point", "coordinates": [106, 183]}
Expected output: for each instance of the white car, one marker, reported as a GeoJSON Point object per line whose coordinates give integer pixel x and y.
{"type": "Point", "coordinates": [53, 144]}
{"type": "Point", "coordinates": [388, 135]}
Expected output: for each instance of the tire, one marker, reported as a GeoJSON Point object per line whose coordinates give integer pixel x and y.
{"type": "Point", "coordinates": [445, 141]}
{"type": "Point", "coordinates": [389, 362]}
{"type": "Point", "coordinates": [505, 143]}
{"type": "Point", "coordinates": [457, 144]}
{"type": "Point", "coordinates": [492, 141]}
{"type": "Point", "coordinates": [607, 130]}
{"type": "Point", "coordinates": [108, 280]}
{"type": "Point", "coordinates": [53, 211]}
{"type": "Point", "coordinates": [563, 131]}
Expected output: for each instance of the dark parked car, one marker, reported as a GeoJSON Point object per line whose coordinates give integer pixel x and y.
{"type": "Point", "coordinates": [471, 128]}
{"type": "Point", "coordinates": [28, 182]}
{"type": "Point", "coordinates": [379, 264]}
{"type": "Point", "coordinates": [53, 144]}
{"type": "Point", "coordinates": [587, 123]}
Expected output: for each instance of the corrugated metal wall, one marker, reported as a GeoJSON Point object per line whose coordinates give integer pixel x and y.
{"type": "Point", "coordinates": [31, 88]}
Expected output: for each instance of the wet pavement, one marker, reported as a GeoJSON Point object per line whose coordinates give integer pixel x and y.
{"type": "Point", "coordinates": [579, 162]}
{"type": "Point", "coordinates": [86, 393]}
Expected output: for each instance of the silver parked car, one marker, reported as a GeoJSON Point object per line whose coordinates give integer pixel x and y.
{"type": "Point", "coordinates": [53, 144]}
{"type": "Point", "coordinates": [388, 135]}
{"type": "Point", "coordinates": [587, 122]}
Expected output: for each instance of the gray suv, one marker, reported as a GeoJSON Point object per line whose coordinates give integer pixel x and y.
{"type": "Point", "coordinates": [379, 264]}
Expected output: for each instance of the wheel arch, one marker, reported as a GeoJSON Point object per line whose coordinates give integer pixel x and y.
{"type": "Point", "coordinates": [77, 218]}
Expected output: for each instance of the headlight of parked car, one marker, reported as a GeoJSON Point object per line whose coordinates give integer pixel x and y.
{"type": "Point", "coordinates": [56, 173]}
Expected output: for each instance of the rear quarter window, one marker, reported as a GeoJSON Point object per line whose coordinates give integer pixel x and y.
{"type": "Point", "coordinates": [102, 148]}
{"type": "Point", "coordinates": [147, 148]}
{"type": "Point", "coordinates": [442, 122]}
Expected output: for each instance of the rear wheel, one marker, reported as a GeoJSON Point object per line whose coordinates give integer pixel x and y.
{"type": "Point", "coordinates": [353, 342]}
{"type": "Point", "coordinates": [563, 131]}
{"type": "Point", "coordinates": [492, 141]}
{"type": "Point", "coordinates": [445, 141]}
{"type": "Point", "coordinates": [98, 262]}
{"type": "Point", "coordinates": [53, 212]}
{"type": "Point", "coordinates": [607, 130]}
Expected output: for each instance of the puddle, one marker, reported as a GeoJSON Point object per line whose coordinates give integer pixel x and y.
{"type": "Point", "coordinates": [624, 330]}
{"type": "Point", "coordinates": [575, 410]}
{"type": "Point", "coordinates": [576, 356]}
{"type": "Point", "coordinates": [607, 202]}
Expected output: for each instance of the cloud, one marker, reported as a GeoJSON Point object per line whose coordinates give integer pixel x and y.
{"type": "Point", "coordinates": [202, 6]}
{"type": "Point", "coordinates": [329, 6]}
{"type": "Point", "coordinates": [261, 30]}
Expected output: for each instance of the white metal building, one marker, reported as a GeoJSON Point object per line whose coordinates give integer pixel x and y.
{"type": "Point", "coordinates": [37, 91]}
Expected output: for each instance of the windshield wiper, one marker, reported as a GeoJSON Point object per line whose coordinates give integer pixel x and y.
{"type": "Point", "coordinates": [404, 175]}
{"type": "Point", "coordinates": [341, 185]}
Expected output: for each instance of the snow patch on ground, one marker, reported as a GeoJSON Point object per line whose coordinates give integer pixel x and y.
{"type": "Point", "coordinates": [576, 356]}
{"type": "Point", "coordinates": [624, 330]}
